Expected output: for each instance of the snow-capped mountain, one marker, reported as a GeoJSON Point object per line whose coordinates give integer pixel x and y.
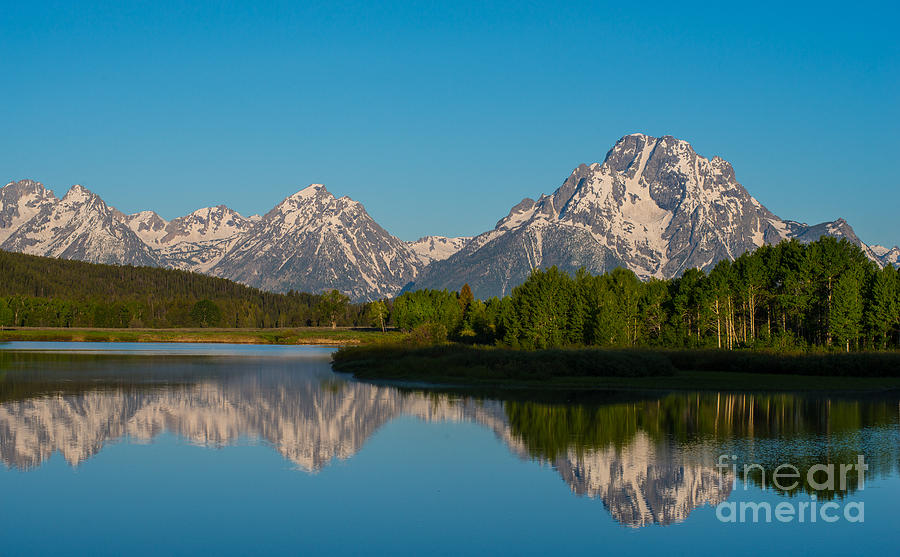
{"type": "Point", "coordinates": [194, 242]}
{"type": "Point", "coordinates": [20, 202]}
{"type": "Point", "coordinates": [78, 226]}
{"type": "Point", "coordinates": [887, 256]}
{"type": "Point", "coordinates": [437, 248]}
{"type": "Point", "coordinates": [149, 226]}
{"type": "Point", "coordinates": [313, 241]}
{"type": "Point", "coordinates": [654, 206]}
{"type": "Point", "coordinates": [310, 242]}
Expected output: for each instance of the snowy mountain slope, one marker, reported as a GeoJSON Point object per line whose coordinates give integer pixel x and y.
{"type": "Point", "coordinates": [20, 202]}
{"type": "Point", "coordinates": [313, 241]}
{"type": "Point", "coordinates": [79, 226]}
{"type": "Point", "coordinates": [149, 226]}
{"type": "Point", "coordinates": [887, 256]}
{"type": "Point", "coordinates": [194, 242]}
{"type": "Point", "coordinates": [654, 206]}
{"type": "Point", "coordinates": [437, 248]}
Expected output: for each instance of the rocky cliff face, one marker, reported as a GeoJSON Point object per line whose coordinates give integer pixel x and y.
{"type": "Point", "coordinates": [653, 206]}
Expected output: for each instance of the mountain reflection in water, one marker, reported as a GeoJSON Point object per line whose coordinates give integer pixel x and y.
{"type": "Point", "coordinates": [650, 460]}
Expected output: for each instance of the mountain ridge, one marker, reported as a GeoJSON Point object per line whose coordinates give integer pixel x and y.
{"type": "Point", "coordinates": [653, 205]}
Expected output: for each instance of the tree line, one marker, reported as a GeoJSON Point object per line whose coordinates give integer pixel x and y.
{"type": "Point", "coordinates": [822, 295]}
{"type": "Point", "coordinates": [46, 292]}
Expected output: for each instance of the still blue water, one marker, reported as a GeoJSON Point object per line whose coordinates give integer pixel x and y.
{"type": "Point", "coordinates": [113, 449]}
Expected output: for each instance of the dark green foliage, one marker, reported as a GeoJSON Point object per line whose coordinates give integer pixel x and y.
{"type": "Point", "coordinates": [541, 308]}
{"type": "Point", "coordinates": [206, 313]}
{"type": "Point", "coordinates": [427, 334]}
{"type": "Point", "coordinates": [332, 306]}
{"type": "Point", "coordinates": [46, 292]}
{"type": "Point", "coordinates": [823, 296]}
{"type": "Point", "coordinates": [466, 364]}
{"type": "Point", "coordinates": [881, 315]}
{"type": "Point", "coordinates": [791, 297]}
{"type": "Point", "coordinates": [416, 308]}
{"type": "Point", "coordinates": [456, 361]}
{"type": "Point", "coordinates": [859, 364]}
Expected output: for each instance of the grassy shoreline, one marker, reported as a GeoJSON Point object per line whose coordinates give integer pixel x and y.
{"type": "Point", "coordinates": [287, 336]}
{"type": "Point", "coordinates": [460, 366]}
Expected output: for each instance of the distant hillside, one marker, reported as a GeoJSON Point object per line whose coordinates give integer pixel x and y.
{"type": "Point", "coordinates": [48, 292]}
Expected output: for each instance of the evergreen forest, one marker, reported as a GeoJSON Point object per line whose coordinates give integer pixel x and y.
{"type": "Point", "coordinates": [825, 295]}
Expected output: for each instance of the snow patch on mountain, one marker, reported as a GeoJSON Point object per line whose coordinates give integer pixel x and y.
{"type": "Point", "coordinates": [148, 226]}
{"type": "Point", "coordinates": [437, 248]}
{"type": "Point", "coordinates": [887, 256]}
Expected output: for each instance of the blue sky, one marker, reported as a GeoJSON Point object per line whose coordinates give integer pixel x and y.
{"type": "Point", "coordinates": [440, 116]}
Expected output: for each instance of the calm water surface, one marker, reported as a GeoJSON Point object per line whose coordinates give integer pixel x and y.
{"type": "Point", "coordinates": [113, 449]}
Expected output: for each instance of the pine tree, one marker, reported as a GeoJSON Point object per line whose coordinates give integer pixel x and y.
{"type": "Point", "coordinates": [846, 311]}
{"type": "Point", "coordinates": [881, 306]}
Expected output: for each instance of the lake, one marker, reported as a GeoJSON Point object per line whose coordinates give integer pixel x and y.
{"type": "Point", "coordinates": [113, 449]}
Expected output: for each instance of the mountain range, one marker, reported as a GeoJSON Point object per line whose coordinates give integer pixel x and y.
{"type": "Point", "coordinates": [653, 206]}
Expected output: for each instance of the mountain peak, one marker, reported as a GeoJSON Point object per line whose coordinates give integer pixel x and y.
{"type": "Point", "coordinates": [146, 216]}
{"type": "Point", "coordinates": [80, 226]}
{"type": "Point", "coordinates": [654, 206]}
{"type": "Point", "coordinates": [24, 182]}
{"type": "Point", "coordinates": [79, 194]}
{"type": "Point", "coordinates": [205, 212]}
{"type": "Point", "coordinates": [310, 191]}
{"type": "Point", "coordinates": [640, 141]}
{"type": "Point", "coordinates": [314, 241]}
{"type": "Point", "coordinates": [20, 202]}
{"type": "Point", "coordinates": [26, 186]}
